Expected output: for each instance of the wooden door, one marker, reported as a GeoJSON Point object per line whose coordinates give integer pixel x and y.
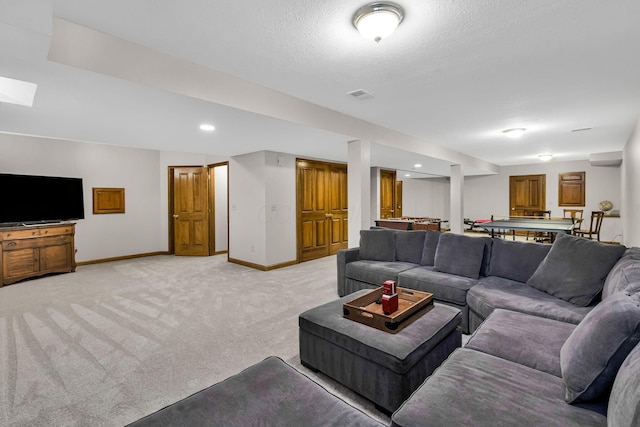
{"type": "Point", "coordinates": [190, 211]}
{"type": "Point", "coordinates": [527, 193]}
{"type": "Point", "coordinates": [338, 208]}
{"type": "Point", "coordinates": [387, 194]}
{"type": "Point", "coordinates": [322, 209]}
{"type": "Point", "coordinates": [398, 212]}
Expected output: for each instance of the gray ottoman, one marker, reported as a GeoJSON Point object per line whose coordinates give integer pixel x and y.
{"type": "Point", "coordinates": [385, 368]}
{"type": "Point", "coordinates": [269, 393]}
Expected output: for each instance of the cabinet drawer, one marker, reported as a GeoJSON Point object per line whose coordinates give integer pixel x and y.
{"type": "Point", "coordinates": [19, 234]}
{"type": "Point", "coordinates": [55, 231]}
{"type": "Point", "coordinates": [35, 243]}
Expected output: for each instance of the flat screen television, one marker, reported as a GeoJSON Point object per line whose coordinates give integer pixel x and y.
{"type": "Point", "coordinates": [30, 199]}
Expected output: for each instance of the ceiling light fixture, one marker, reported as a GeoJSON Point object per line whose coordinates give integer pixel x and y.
{"type": "Point", "coordinates": [417, 165]}
{"type": "Point", "coordinates": [515, 132]}
{"type": "Point", "coordinates": [207, 127]}
{"type": "Point", "coordinates": [545, 157]}
{"type": "Point", "coordinates": [376, 21]}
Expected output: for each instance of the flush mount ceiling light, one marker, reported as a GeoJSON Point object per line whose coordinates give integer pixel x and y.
{"type": "Point", "coordinates": [376, 21]}
{"type": "Point", "coordinates": [417, 165]}
{"type": "Point", "coordinates": [545, 157]}
{"type": "Point", "coordinates": [515, 132]}
{"type": "Point", "coordinates": [207, 127]}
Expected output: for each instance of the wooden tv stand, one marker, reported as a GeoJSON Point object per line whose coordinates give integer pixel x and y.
{"type": "Point", "coordinates": [36, 250]}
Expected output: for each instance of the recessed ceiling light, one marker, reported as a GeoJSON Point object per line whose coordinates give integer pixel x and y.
{"type": "Point", "coordinates": [545, 157]}
{"type": "Point", "coordinates": [207, 127]}
{"type": "Point", "coordinates": [417, 165]}
{"type": "Point", "coordinates": [514, 133]}
{"type": "Point", "coordinates": [407, 175]}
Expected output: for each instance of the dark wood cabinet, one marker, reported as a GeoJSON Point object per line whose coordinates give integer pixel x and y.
{"type": "Point", "coordinates": [571, 189]}
{"type": "Point", "coordinates": [32, 251]}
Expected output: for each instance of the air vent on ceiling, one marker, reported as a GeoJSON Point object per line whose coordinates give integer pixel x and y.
{"type": "Point", "coordinates": [360, 94]}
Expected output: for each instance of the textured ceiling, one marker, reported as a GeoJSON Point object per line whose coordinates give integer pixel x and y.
{"type": "Point", "coordinates": [454, 74]}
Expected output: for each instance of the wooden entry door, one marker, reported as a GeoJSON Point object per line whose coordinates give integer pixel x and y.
{"type": "Point", "coordinates": [190, 211]}
{"type": "Point", "coordinates": [398, 212]}
{"type": "Point", "coordinates": [527, 193]}
{"type": "Point", "coordinates": [387, 194]}
{"type": "Point", "coordinates": [322, 209]}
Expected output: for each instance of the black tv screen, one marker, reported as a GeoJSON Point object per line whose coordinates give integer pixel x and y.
{"type": "Point", "coordinates": [29, 199]}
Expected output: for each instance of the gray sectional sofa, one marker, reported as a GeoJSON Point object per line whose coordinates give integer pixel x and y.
{"type": "Point", "coordinates": [480, 274]}
{"type": "Point", "coordinates": [555, 341]}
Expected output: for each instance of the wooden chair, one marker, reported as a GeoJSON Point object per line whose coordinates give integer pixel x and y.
{"type": "Point", "coordinates": [594, 228]}
{"type": "Point", "coordinates": [576, 215]}
{"type": "Point", "coordinates": [539, 236]}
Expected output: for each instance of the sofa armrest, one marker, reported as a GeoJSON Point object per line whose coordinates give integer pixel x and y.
{"type": "Point", "coordinates": [343, 257]}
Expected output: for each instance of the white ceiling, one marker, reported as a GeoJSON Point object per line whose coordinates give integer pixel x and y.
{"type": "Point", "coordinates": [453, 75]}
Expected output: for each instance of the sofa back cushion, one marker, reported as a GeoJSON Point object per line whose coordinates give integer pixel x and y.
{"type": "Point", "coordinates": [593, 353]}
{"type": "Point", "coordinates": [378, 245]}
{"type": "Point", "coordinates": [460, 255]}
{"type": "Point", "coordinates": [409, 245]}
{"type": "Point", "coordinates": [430, 245]}
{"type": "Point", "coordinates": [624, 402]}
{"type": "Point", "coordinates": [618, 279]}
{"type": "Point", "coordinates": [575, 269]}
{"type": "Point", "coordinates": [516, 260]}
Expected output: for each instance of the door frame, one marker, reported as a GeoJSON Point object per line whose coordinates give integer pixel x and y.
{"type": "Point", "coordinates": [212, 210]}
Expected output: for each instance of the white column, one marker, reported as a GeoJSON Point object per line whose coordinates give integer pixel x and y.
{"type": "Point", "coordinates": [359, 182]}
{"type": "Point", "coordinates": [456, 201]}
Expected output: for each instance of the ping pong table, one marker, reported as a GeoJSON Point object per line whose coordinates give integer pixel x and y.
{"type": "Point", "coordinates": [537, 225]}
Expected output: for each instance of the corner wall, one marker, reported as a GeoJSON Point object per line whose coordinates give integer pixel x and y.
{"type": "Point", "coordinates": [630, 212]}
{"type": "Point", "coordinates": [136, 170]}
{"type": "Point", "coordinates": [262, 213]}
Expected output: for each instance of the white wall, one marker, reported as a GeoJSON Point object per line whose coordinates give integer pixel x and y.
{"type": "Point", "coordinates": [136, 170]}
{"type": "Point", "coordinates": [220, 179]}
{"type": "Point", "coordinates": [262, 199]}
{"type": "Point", "coordinates": [630, 212]}
{"type": "Point", "coordinates": [280, 208]}
{"type": "Point", "coordinates": [426, 197]}
{"type": "Point", "coordinates": [489, 195]}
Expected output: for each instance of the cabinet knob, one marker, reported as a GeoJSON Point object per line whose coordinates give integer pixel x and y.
{"type": "Point", "coordinates": [12, 243]}
{"type": "Point", "coordinates": [175, 216]}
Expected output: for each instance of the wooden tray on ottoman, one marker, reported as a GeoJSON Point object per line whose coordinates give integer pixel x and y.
{"type": "Point", "coordinates": [411, 305]}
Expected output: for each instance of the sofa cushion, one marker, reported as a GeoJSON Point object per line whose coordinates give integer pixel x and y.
{"type": "Point", "coordinates": [593, 353]}
{"type": "Point", "coordinates": [430, 245]}
{"type": "Point", "coordinates": [624, 402]}
{"type": "Point", "coordinates": [376, 272]}
{"type": "Point", "coordinates": [477, 389]}
{"type": "Point", "coordinates": [496, 292]}
{"type": "Point", "coordinates": [575, 269]}
{"type": "Point", "coordinates": [522, 338]}
{"type": "Point", "coordinates": [460, 255]}
{"type": "Point", "coordinates": [378, 245]}
{"type": "Point", "coordinates": [516, 260]}
{"type": "Point", "coordinates": [409, 245]}
{"type": "Point", "coordinates": [612, 285]}
{"type": "Point", "coordinates": [445, 287]}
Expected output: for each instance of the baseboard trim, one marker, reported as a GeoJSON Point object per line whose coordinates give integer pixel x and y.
{"type": "Point", "coordinates": [120, 258]}
{"type": "Point", "coordinates": [263, 267]}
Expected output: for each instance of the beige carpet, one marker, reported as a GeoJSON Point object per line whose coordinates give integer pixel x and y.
{"type": "Point", "coordinates": [113, 342]}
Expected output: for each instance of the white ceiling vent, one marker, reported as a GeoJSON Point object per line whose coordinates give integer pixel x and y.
{"type": "Point", "coordinates": [360, 94]}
